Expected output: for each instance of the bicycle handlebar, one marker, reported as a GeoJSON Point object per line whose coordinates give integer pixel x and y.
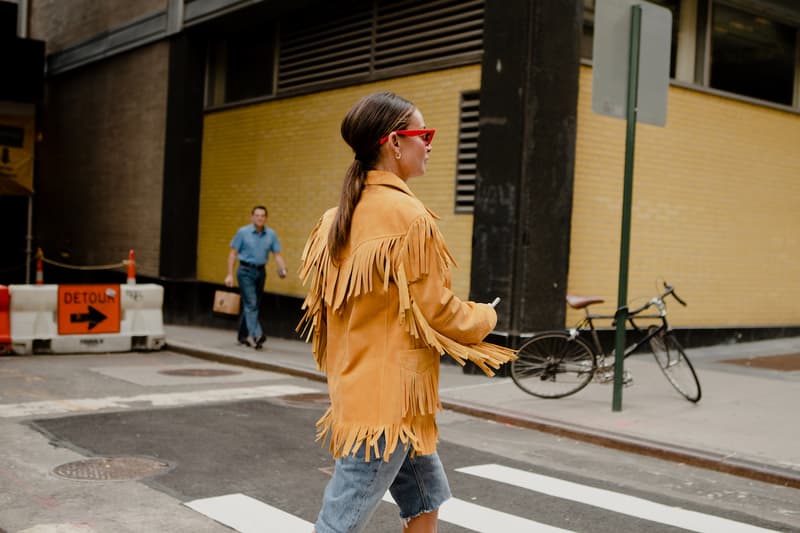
{"type": "Point", "coordinates": [671, 290]}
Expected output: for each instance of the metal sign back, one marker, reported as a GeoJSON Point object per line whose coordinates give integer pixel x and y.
{"type": "Point", "coordinates": [612, 26]}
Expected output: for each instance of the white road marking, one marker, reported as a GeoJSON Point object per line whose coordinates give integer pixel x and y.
{"type": "Point", "coordinates": [173, 399]}
{"type": "Point", "coordinates": [485, 520]}
{"type": "Point", "coordinates": [613, 501]}
{"type": "Point", "coordinates": [248, 515]}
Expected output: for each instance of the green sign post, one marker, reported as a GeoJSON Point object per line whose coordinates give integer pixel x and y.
{"type": "Point", "coordinates": [615, 20]}
{"type": "Point", "coordinates": [621, 316]}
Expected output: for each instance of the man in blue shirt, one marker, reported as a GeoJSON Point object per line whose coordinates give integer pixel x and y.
{"type": "Point", "coordinates": [252, 245]}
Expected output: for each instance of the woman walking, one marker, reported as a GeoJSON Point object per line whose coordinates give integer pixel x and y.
{"type": "Point", "coordinates": [381, 313]}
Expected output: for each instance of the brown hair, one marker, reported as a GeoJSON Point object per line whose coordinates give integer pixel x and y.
{"type": "Point", "coordinates": [370, 119]}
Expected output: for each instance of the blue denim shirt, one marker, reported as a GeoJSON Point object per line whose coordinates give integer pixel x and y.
{"type": "Point", "coordinates": [254, 247]}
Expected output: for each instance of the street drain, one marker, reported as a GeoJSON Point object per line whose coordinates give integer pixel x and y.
{"type": "Point", "coordinates": [311, 400]}
{"type": "Point", "coordinates": [199, 372]}
{"type": "Point", "coordinates": [112, 468]}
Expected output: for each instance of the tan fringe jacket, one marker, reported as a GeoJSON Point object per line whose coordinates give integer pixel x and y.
{"type": "Point", "coordinates": [381, 319]}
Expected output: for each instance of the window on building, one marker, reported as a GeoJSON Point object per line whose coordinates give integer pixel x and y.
{"type": "Point", "coordinates": [241, 67]}
{"type": "Point", "coordinates": [752, 55]}
{"type": "Point", "coordinates": [467, 155]}
{"type": "Point", "coordinates": [745, 47]}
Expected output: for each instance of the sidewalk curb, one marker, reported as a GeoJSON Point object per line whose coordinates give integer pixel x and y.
{"type": "Point", "coordinates": [668, 452]}
{"type": "Point", "coordinates": [222, 356]}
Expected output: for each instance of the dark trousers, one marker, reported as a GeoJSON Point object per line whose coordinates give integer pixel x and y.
{"type": "Point", "coordinates": [251, 285]}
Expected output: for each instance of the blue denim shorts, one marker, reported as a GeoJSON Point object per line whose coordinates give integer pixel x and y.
{"type": "Point", "coordinates": [417, 484]}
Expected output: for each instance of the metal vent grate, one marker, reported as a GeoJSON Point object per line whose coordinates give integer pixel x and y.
{"type": "Point", "coordinates": [367, 39]}
{"type": "Point", "coordinates": [467, 163]}
{"type": "Point", "coordinates": [332, 50]}
{"type": "Point", "coordinates": [441, 29]}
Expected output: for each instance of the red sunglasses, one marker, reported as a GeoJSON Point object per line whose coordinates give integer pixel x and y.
{"type": "Point", "coordinates": [427, 135]}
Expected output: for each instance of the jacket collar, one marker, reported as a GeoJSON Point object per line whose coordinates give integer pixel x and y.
{"type": "Point", "coordinates": [388, 179]}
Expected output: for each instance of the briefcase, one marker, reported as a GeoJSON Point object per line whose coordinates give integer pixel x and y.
{"type": "Point", "coordinates": [227, 302]}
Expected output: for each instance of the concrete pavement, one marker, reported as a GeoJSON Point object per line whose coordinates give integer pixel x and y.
{"type": "Point", "coordinates": [746, 424]}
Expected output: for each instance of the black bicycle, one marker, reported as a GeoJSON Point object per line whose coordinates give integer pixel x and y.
{"type": "Point", "coordinates": [554, 364]}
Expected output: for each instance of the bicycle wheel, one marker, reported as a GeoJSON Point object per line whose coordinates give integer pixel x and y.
{"type": "Point", "coordinates": [675, 365]}
{"type": "Point", "coordinates": [553, 365]}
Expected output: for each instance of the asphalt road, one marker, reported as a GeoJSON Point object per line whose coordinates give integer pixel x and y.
{"type": "Point", "coordinates": [229, 435]}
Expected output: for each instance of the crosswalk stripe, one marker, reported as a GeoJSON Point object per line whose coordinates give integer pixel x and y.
{"type": "Point", "coordinates": [485, 520]}
{"type": "Point", "coordinates": [613, 501]}
{"type": "Point", "coordinates": [248, 515]}
{"type": "Point", "coordinates": [175, 399]}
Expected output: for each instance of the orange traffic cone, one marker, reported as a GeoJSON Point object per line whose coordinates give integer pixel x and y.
{"type": "Point", "coordinates": [131, 268]}
{"type": "Point", "coordinates": [39, 269]}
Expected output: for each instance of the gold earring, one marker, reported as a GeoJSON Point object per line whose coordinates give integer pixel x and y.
{"type": "Point", "coordinates": [397, 155]}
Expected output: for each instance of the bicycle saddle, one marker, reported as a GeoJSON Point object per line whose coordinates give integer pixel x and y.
{"type": "Point", "coordinates": [579, 302]}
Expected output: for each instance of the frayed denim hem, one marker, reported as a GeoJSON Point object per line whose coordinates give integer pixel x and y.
{"type": "Point", "coordinates": [408, 519]}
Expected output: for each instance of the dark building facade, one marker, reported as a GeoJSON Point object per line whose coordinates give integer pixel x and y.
{"type": "Point", "coordinates": [164, 121]}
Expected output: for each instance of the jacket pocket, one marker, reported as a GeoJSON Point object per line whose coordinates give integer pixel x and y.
{"type": "Point", "coordinates": [419, 375]}
{"type": "Point", "coordinates": [418, 360]}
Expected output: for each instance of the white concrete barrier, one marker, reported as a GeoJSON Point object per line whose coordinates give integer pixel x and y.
{"type": "Point", "coordinates": [86, 318]}
{"type": "Point", "coordinates": [142, 315]}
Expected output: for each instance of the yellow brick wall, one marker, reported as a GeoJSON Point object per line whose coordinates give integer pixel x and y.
{"type": "Point", "coordinates": [714, 206]}
{"type": "Point", "coordinates": [715, 210]}
{"type": "Point", "coordinates": [288, 155]}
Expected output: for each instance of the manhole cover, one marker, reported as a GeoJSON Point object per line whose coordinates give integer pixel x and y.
{"type": "Point", "coordinates": [199, 372]}
{"type": "Point", "coordinates": [787, 363]}
{"type": "Point", "coordinates": [112, 468]}
{"type": "Point", "coordinates": [311, 400]}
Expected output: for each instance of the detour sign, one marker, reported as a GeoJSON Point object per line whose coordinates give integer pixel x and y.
{"type": "Point", "coordinates": [88, 309]}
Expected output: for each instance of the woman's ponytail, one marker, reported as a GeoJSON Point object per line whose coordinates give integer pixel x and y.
{"type": "Point", "coordinates": [353, 184]}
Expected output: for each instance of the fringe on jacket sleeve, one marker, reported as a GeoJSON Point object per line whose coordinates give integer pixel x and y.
{"type": "Point", "coordinates": [403, 258]}
{"type": "Point", "coordinates": [423, 245]}
{"type": "Point", "coordinates": [315, 266]}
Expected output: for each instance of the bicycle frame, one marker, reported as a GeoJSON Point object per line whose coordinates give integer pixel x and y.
{"type": "Point", "coordinates": [586, 324]}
